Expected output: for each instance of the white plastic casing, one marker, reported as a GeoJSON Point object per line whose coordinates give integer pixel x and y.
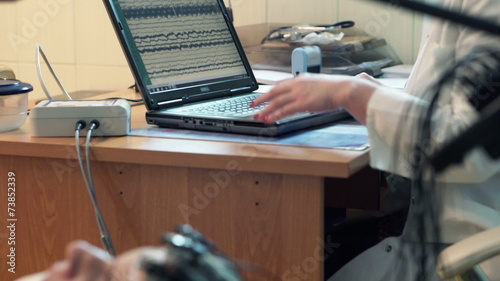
{"type": "Point", "coordinates": [58, 118]}
{"type": "Point", "coordinates": [306, 59]}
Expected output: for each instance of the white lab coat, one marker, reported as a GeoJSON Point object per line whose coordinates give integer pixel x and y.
{"type": "Point", "coordinates": [471, 191]}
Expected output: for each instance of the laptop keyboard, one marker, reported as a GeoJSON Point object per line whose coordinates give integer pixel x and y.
{"type": "Point", "coordinates": [236, 106]}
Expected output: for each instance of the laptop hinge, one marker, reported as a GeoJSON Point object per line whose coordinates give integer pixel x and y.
{"type": "Point", "coordinates": [241, 90]}
{"type": "Point", "coordinates": [201, 97]}
{"type": "Point", "coordinates": [170, 103]}
{"type": "Point", "coordinates": [206, 96]}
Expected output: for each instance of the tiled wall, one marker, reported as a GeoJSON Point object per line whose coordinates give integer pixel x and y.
{"type": "Point", "coordinates": [78, 39]}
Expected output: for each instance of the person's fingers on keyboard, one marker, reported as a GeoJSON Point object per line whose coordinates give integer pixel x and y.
{"type": "Point", "coordinates": [281, 106]}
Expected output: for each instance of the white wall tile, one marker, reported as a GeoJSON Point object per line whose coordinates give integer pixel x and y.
{"type": "Point", "coordinates": [95, 40]}
{"type": "Point", "coordinates": [48, 23]}
{"type": "Point", "coordinates": [105, 78]}
{"type": "Point", "coordinates": [8, 35]}
{"type": "Point", "coordinates": [390, 22]}
{"type": "Point", "coordinates": [247, 12]}
{"type": "Point", "coordinates": [302, 12]}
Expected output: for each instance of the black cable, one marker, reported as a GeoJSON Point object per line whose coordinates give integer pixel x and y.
{"type": "Point", "coordinates": [135, 101]}
{"type": "Point", "coordinates": [481, 75]}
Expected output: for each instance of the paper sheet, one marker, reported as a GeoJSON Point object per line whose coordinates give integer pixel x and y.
{"type": "Point", "coordinates": [338, 136]}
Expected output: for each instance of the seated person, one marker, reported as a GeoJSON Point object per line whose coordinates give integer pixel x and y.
{"type": "Point", "coordinates": [465, 61]}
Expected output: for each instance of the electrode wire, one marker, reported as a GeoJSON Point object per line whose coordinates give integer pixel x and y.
{"type": "Point", "coordinates": [40, 53]}
{"type": "Point", "coordinates": [89, 183]}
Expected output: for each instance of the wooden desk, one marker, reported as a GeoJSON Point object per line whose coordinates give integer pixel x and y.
{"type": "Point", "coordinates": [260, 203]}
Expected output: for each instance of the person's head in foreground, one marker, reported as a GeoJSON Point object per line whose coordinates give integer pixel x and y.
{"type": "Point", "coordinates": [187, 257]}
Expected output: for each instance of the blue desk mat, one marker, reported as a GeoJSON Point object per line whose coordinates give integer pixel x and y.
{"type": "Point", "coordinates": [347, 136]}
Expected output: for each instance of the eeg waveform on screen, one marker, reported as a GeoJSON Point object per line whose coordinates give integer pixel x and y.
{"type": "Point", "coordinates": [182, 40]}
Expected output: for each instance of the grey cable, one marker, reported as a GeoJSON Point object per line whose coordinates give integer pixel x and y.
{"type": "Point", "coordinates": [89, 183]}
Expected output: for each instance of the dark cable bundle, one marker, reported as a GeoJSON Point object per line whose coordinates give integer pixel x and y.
{"type": "Point", "coordinates": [190, 257]}
{"type": "Point", "coordinates": [481, 77]}
{"type": "Point", "coordinates": [478, 77]}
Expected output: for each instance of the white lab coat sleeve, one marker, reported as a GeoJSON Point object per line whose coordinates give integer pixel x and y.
{"type": "Point", "coordinates": [391, 141]}
{"type": "Point", "coordinates": [391, 121]}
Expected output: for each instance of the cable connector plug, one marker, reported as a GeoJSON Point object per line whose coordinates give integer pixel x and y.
{"type": "Point", "coordinates": [80, 125]}
{"type": "Point", "coordinates": [94, 124]}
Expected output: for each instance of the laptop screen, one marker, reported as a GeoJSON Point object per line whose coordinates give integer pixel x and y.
{"type": "Point", "coordinates": [180, 48]}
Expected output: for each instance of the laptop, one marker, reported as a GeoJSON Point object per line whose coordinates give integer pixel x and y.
{"type": "Point", "coordinates": [191, 70]}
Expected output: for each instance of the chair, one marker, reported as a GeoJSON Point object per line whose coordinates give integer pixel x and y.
{"type": "Point", "coordinates": [460, 261]}
{"type": "Point", "coordinates": [6, 72]}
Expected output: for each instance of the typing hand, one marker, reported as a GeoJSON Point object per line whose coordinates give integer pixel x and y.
{"type": "Point", "coordinates": [315, 93]}
{"type": "Point", "coordinates": [304, 93]}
